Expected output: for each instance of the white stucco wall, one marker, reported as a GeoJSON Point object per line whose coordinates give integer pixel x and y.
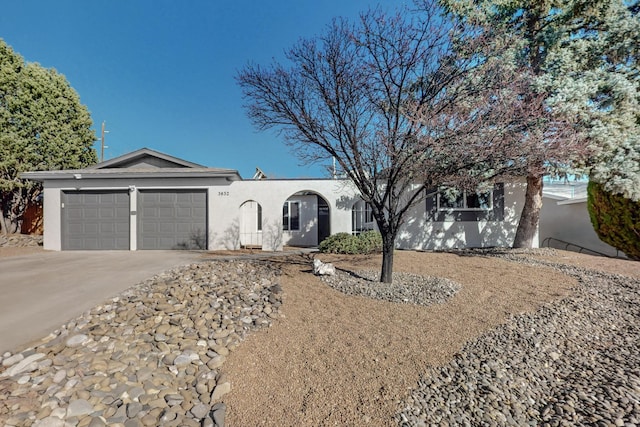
{"type": "Point", "coordinates": [568, 220]}
{"type": "Point", "coordinates": [227, 221]}
{"type": "Point", "coordinates": [421, 234]}
{"type": "Point", "coordinates": [225, 213]}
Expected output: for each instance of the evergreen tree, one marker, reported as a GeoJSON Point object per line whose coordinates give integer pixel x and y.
{"type": "Point", "coordinates": [583, 56]}
{"type": "Point", "coordinates": [43, 126]}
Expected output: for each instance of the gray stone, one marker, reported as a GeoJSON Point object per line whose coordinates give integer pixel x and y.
{"type": "Point", "coordinates": [182, 360]}
{"type": "Point", "coordinates": [12, 360]}
{"type": "Point", "coordinates": [218, 415]}
{"type": "Point", "coordinates": [76, 340]}
{"type": "Point", "coordinates": [28, 364]}
{"type": "Point", "coordinates": [79, 407]}
{"type": "Point", "coordinates": [97, 422]}
{"type": "Point", "coordinates": [51, 422]}
{"type": "Point", "coordinates": [220, 390]}
{"type": "Point", "coordinates": [200, 411]}
{"type": "Point", "coordinates": [133, 409]}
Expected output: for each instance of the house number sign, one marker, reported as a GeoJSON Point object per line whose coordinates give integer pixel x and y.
{"type": "Point", "coordinates": [223, 193]}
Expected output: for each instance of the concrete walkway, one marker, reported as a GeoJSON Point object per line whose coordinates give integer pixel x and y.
{"type": "Point", "coordinates": [42, 291]}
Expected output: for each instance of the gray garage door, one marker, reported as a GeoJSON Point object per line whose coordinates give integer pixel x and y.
{"type": "Point", "coordinates": [172, 219]}
{"type": "Point", "coordinates": [95, 220]}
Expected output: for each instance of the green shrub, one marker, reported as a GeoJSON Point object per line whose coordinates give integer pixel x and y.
{"type": "Point", "coordinates": [615, 219]}
{"type": "Point", "coordinates": [345, 243]}
{"type": "Point", "coordinates": [370, 242]}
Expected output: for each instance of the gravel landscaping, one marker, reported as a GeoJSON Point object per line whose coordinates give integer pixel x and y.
{"type": "Point", "coordinates": [464, 338]}
{"type": "Point", "coordinates": [150, 356]}
{"type": "Point", "coordinates": [573, 362]}
{"type": "Point", "coordinates": [406, 287]}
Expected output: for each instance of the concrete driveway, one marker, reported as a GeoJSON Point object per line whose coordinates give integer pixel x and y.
{"type": "Point", "coordinates": [42, 291]}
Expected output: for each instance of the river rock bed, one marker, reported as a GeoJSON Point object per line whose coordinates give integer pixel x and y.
{"type": "Point", "coordinates": [151, 356]}
{"type": "Point", "coordinates": [20, 240]}
{"type": "Point", "coordinates": [573, 362]}
{"type": "Point", "coordinates": [405, 287]}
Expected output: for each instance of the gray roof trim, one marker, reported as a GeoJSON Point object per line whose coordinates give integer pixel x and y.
{"type": "Point", "coordinates": [230, 174]}
{"type": "Point", "coordinates": [144, 152]}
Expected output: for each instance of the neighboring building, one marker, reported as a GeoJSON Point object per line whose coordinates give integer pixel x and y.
{"type": "Point", "coordinates": [150, 200]}
{"type": "Point", "coordinates": [565, 222]}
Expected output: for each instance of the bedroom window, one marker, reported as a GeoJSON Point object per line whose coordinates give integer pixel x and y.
{"type": "Point", "coordinates": [291, 216]}
{"type": "Point", "coordinates": [466, 201]}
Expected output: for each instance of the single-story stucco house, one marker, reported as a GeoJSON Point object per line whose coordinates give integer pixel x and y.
{"type": "Point", "coordinates": [150, 200]}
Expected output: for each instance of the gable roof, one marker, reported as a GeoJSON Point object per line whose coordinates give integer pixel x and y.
{"type": "Point", "coordinates": [140, 159]}
{"type": "Point", "coordinates": [143, 163]}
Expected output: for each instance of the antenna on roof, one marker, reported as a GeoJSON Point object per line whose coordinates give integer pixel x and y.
{"type": "Point", "coordinates": [102, 146]}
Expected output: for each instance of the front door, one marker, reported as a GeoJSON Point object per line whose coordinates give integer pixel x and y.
{"type": "Point", "coordinates": [324, 223]}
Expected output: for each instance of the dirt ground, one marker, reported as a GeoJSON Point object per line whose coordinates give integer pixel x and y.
{"type": "Point", "coordinates": [335, 359]}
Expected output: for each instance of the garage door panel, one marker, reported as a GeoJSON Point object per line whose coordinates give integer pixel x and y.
{"type": "Point", "coordinates": [183, 212]}
{"type": "Point", "coordinates": [166, 212]}
{"type": "Point", "coordinates": [200, 212]}
{"type": "Point", "coordinates": [149, 212]}
{"type": "Point", "coordinates": [107, 213]}
{"type": "Point", "coordinates": [92, 228]}
{"type": "Point", "coordinates": [184, 228]}
{"type": "Point", "coordinates": [168, 218]}
{"type": "Point", "coordinates": [93, 220]}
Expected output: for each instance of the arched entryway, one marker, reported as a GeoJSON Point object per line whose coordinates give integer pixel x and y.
{"type": "Point", "coordinates": [306, 219]}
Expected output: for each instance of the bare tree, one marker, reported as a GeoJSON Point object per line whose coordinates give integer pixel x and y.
{"type": "Point", "coordinates": [401, 104]}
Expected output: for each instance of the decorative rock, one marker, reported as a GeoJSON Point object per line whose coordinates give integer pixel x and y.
{"type": "Point", "coordinates": [51, 422]}
{"type": "Point", "coordinates": [27, 364]}
{"type": "Point", "coordinates": [220, 390]}
{"type": "Point", "coordinates": [12, 360]}
{"type": "Point", "coordinates": [323, 269]}
{"type": "Point", "coordinates": [200, 411]}
{"type": "Point", "coordinates": [122, 371]}
{"type": "Point", "coordinates": [561, 365]}
{"type": "Point", "coordinates": [133, 409]}
{"type": "Point", "coordinates": [216, 362]}
{"type": "Point", "coordinates": [76, 340]}
{"type": "Point", "coordinates": [97, 422]}
{"type": "Point", "coordinates": [218, 414]}
{"type": "Point", "coordinates": [78, 408]}
{"type": "Point", "coordinates": [59, 376]}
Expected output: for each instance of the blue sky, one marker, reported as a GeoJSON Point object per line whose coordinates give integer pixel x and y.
{"type": "Point", "coordinates": [161, 73]}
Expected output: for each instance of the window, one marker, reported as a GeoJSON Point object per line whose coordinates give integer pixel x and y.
{"type": "Point", "coordinates": [466, 201]}
{"type": "Point", "coordinates": [259, 217]}
{"type": "Point", "coordinates": [361, 217]}
{"type": "Point", "coordinates": [466, 206]}
{"type": "Point", "coordinates": [291, 216]}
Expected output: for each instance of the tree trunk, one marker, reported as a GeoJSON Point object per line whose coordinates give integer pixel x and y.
{"type": "Point", "coordinates": [9, 225]}
{"type": "Point", "coordinates": [388, 246]}
{"type": "Point", "coordinates": [13, 204]}
{"type": "Point", "coordinates": [528, 225]}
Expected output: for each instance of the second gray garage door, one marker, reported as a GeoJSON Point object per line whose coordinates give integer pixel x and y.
{"type": "Point", "coordinates": [172, 219]}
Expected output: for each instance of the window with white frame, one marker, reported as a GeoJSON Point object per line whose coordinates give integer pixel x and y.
{"type": "Point", "coordinates": [291, 216]}
{"type": "Point", "coordinates": [466, 201]}
{"type": "Point", "coordinates": [361, 217]}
